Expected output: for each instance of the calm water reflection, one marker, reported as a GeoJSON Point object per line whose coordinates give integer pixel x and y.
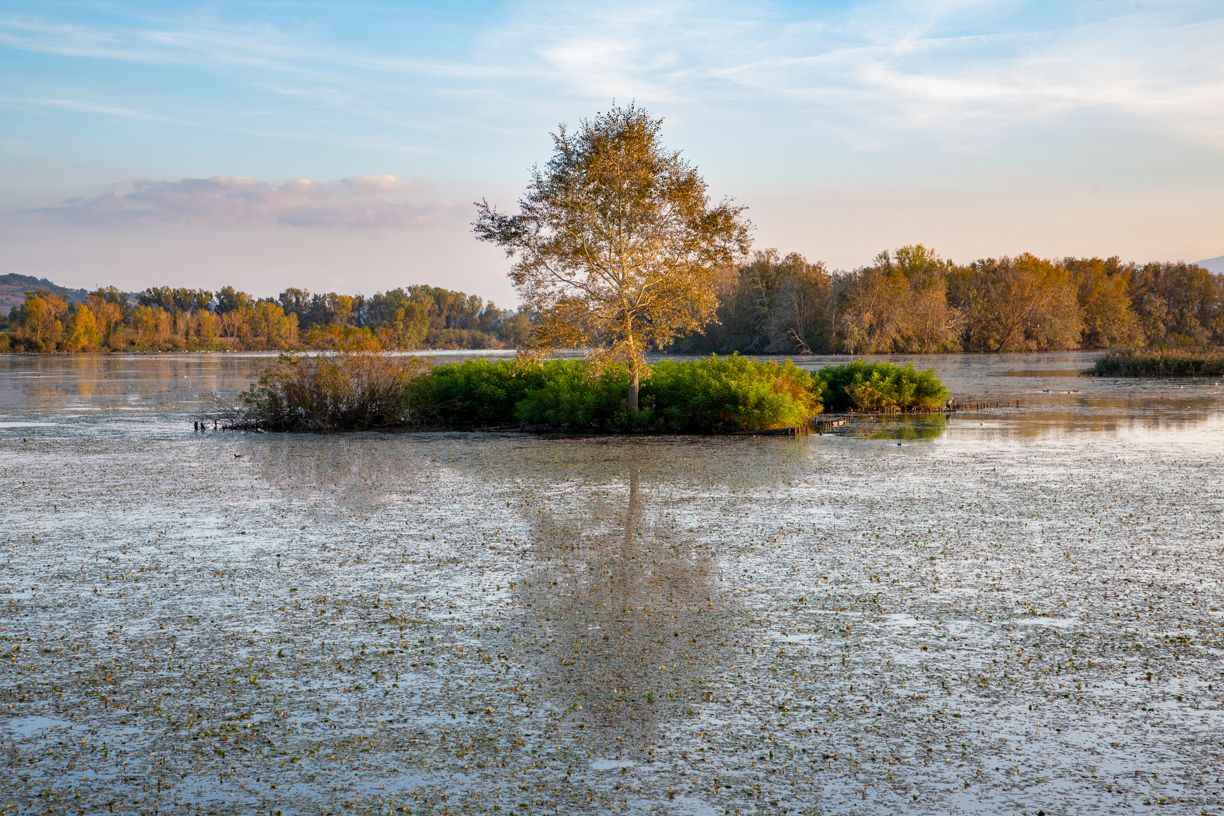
{"type": "Point", "coordinates": [1054, 397]}
{"type": "Point", "coordinates": [623, 601]}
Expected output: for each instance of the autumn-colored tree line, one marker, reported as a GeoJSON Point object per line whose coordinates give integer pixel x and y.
{"type": "Point", "coordinates": [908, 301]}
{"type": "Point", "coordinates": [912, 301]}
{"type": "Point", "coordinates": [167, 319]}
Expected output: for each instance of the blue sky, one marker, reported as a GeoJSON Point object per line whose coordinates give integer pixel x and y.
{"type": "Point", "coordinates": [340, 145]}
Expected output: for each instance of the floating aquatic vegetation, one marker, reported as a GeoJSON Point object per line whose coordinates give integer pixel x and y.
{"type": "Point", "coordinates": [454, 623]}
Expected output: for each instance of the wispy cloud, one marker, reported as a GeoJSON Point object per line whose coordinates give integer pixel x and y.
{"type": "Point", "coordinates": [1158, 70]}
{"type": "Point", "coordinates": [360, 202]}
{"type": "Point", "coordinates": [378, 185]}
{"type": "Point", "coordinates": [890, 70]}
{"type": "Point", "coordinates": [169, 40]}
{"type": "Point", "coordinates": [88, 107]}
{"type": "Point", "coordinates": [877, 71]}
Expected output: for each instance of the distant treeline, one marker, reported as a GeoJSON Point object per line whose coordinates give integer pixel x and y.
{"type": "Point", "coordinates": [911, 301]}
{"type": "Point", "coordinates": [167, 319]}
{"type": "Point", "coordinates": [908, 301]}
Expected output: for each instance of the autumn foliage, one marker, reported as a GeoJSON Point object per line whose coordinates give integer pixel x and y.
{"type": "Point", "coordinates": [616, 242]}
{"type": "Point", "coordinates": [912, 301]}
{"type": "Point", "coordinates": [906, 302]}
{"type": "Point", "coordinates": [169, 319]}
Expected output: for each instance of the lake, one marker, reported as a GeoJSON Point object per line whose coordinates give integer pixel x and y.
{"type": "Point", "coordinates": [1004, 611]}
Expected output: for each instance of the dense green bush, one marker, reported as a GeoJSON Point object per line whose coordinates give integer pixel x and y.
{"type": "Point", "coordinates": [357, 390]}
{"type": "Point", "coordinates": [561, 393]}
{"type": "Point", "coordinates": [734, 393]}
{"type": "Point", "coordinates": [572, 394]}
{"type": "Point", "coordinates": [706, 396]}
{"type": "Point", "coordinates": [1161, 363]}
{"type": "Point", "coordinates": [475, 392]}
{"type": "Point", "coordinates": [867, 386]}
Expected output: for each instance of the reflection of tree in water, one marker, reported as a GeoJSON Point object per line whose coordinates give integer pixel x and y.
{"type": "Point", "coordinates": [624, 605]}
{"type": "Point", "coordinates": [1095, 413]}
{"type": "Point", "coordinates": [353, 471]}
{"type": "Point", "coordinates": [56, 382]}
{"type": "Point", "coordinates": [104, 381]}
{"type": "Point", "coordinates": [1075, 413]}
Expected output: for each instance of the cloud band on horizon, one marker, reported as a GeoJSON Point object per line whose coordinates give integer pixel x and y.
{"type": "Point", "coordinates": [359, 202]}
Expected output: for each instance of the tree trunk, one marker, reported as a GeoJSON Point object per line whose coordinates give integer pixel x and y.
{"type": "Point", "coordinates": [635, 381]}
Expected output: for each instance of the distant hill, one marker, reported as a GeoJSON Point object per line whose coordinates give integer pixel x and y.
{"type": "Point", "coordinates": [14, 287]}
{"type": "Point", "coordinates": [1213, 264]}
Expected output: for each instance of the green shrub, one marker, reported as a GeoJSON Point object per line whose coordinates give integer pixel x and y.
{"type": "Point", "coordinates": [356, 390]}
{"type": "Point", "coordinates": [707, 396]}
{"type": "Point", "coordinates": [571, 394]}
{"type": "Point", "coordinates": [720, 394]}
{"type": "Point", "coordinates": [866, 386]}
{"type": "Point", "coordinates": [1161, 363]}
{"type": "Point", "coordinates": [562, 393]}
{"type": "Point", "coordinates": [475, 392]}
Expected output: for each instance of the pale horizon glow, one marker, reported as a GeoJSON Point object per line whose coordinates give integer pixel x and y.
{"type": "Point", "coordinates": [266, 145]}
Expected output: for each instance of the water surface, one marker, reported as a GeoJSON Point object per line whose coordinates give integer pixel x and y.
{"type": "Point", "coordinates": [1008, 611]}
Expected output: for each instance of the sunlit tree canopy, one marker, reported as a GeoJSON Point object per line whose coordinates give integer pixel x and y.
{"type": "Point", "coordinates": [616, 243]}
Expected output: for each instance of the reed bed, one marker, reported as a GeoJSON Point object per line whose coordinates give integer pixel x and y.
{"type": "Point", "coordinates": [1161, 363]}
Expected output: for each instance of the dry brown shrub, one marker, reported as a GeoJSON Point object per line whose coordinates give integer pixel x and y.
{"type": "Point", "coordinates": [344, 391]}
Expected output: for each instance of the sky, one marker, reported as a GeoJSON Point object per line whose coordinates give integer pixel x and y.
{"type": "Point", "coordinates": [340, 146]}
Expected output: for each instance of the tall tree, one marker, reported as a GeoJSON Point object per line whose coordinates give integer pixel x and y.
{"type": "Point", "coordinates": [1021, 304]}
{"type": "Point", "coordinates": [616, 242]}
{"type": "Point", "coordinates": [40, 327]}
{"type": "Point", "coordinates": [82, 332]}
{"type": "Point", "coordinates": [790, 297]}
{"type": "Point", "coordinates": [873, 309]}
{"type": "Point", "coordinates": [899, 304]}
{"type": "Point", "coordinates": [296, 301]}
{"type": "Point", "coordinates": [1103, 293]}
{"type": "Point", "coordinates": [1178, 303]}
{"type": "Point", "coordinates": [230, 299]}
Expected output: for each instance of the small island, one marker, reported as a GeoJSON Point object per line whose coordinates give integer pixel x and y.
{"type": "Point", "coordinates": [612, 266]}
{"type": "Point", "coordinates": [716, 395]}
